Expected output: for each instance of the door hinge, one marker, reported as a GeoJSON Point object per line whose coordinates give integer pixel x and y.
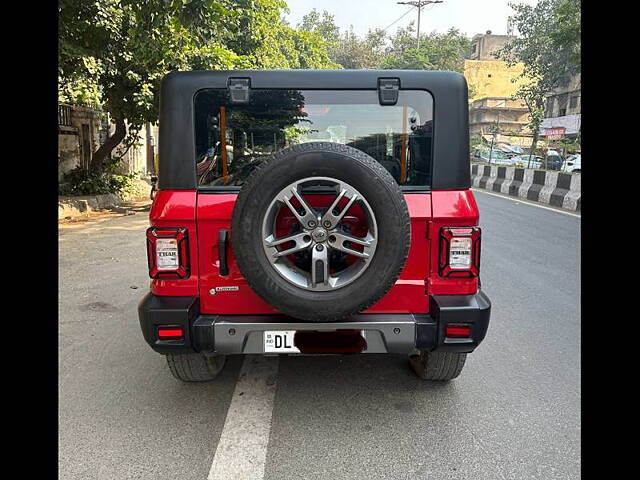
{"type": "Point", "coordinates": [239, 89]}
{"type": "Point", "coordinates": [388, 90]}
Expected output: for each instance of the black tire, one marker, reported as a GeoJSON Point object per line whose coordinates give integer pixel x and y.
{"type": "Point", "coordinates": [329, 160]}
{"type": "Point", "coordinates": [195, 367]}
{"type": "Point", "coordinates": [441, 366]}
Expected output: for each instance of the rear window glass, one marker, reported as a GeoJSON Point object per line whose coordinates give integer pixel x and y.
{"type": "Point", "coordinates": [232, 140]}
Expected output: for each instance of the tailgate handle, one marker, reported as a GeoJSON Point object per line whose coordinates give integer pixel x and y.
{"type": "Point", "coordinates": [223, 236]}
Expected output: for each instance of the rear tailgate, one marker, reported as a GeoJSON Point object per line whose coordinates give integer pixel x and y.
{"type": "Point", "coordinates": [230, 294]}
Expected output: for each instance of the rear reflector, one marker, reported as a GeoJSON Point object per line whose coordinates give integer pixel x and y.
{"type": "Point", "coordinates": [460, 331]}
{"type": "Point", "coordinates": [170, 333]}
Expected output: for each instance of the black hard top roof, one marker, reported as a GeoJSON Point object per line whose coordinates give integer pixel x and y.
{"type": "Point", "coordinates": [451, 117]}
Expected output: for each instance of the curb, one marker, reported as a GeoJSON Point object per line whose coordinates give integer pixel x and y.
{"type": "Point", "coordinates": [557, 189]}
{"type": "Point", "coordinates": [81, 206]}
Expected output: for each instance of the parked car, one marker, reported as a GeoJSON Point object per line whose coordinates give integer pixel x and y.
{"type": "Point", "coordinates": [573, 164]}
{"type": "Point", "coordinates": [552, 161]}
{"type": "Point", "coordinates": [496, 157]}
{"type": "Point", "coordinates": [522, 161]}
{"type": "Point", "coordinates": [321, 247]}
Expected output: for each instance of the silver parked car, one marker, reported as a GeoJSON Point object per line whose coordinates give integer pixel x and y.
{"type": "Point", "coordinates": [495, 157]}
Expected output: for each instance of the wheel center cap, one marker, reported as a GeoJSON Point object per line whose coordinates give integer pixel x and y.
{"type": "Point", "coordinates": [319, 234]}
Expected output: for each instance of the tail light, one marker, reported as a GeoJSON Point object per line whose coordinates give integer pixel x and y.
{"type": "Point", "coordinates": [168, 252]}
{"type": "Point", "coordinates": [460, 251]}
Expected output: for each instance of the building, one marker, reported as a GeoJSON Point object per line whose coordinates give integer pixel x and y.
{"type": "Point", "coordinates": [484, 45]}
{"type": "Point", "coordinates": [78, 136]}
{"type": "Point", "coordinates": [139, 157]}
{"type": "Point", "coordinates": [563, 108]}
{"type": "Point", "coordinates": [492, 78]}
{"type": "Point", "coordinates": [507, 116]}
{"type": "Point", "coordinates": [487, 76]}
{"type": "Point", "coordinates": [81, 131]}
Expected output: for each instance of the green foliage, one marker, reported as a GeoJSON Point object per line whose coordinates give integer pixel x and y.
{"type": "Point", "coordinates": [437, 51]}
{"type": "Point", "coordinates": [114, 53]}
{"type": "Point", "coordinates": [353, 52]}
{"type": "Point", "coordinates": [346, 49]}
{"type": "Point", "coordinates": [293, 134]}
{"type": "Point", "coordinates": [549, 46]}
{"type": "Point", "coordinates": [475, 140]}
{"type": "Point", "coordinates": [566, 32]}
{"type": "Point", "coordinates": [79, 181]}
{"type": "Point", "coordinates": [323, 25]}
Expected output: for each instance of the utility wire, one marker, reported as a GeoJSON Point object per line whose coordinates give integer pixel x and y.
{"type": "Point", "coordinates": [397, 20]}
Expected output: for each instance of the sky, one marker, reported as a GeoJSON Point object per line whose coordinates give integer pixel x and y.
{"type": "Point", "coordinates": [469, 16]}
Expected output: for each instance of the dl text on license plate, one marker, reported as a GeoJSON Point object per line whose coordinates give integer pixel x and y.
{"type": "Point", "coordinates": [279, 342]}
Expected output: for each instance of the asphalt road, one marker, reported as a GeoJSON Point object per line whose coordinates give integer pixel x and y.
{"type": "Point", "coordinates": [514, 413]}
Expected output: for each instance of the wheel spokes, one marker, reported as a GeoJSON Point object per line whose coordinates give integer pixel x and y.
{"type": "Point", "coordinates": [332, 219]}
{"type": "Point", "coordinates": [309, 214]}
{"type": "Point", "coordinates": [367, 242]}
{"type": "Point", "coordinates": [319, 266]}
{"type": "Point", "coordinates": [302, 257]}
{"type": "Point", "coordinates": [299, 239]}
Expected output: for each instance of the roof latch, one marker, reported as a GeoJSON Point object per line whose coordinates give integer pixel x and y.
{"type": "Point", "coordinates": [239, 89]}
{"type": "Point", "coordinates": [388, 90]}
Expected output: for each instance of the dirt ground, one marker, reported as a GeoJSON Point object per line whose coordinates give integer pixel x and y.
{"type": "Point", "coordinates": [130, 208]}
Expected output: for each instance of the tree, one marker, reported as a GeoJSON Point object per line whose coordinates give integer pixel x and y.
{"type": "Point", "coordinates": [115, 52]}
{"type": "Point", "coordinates": [323, 25]}
{"type": "Point", "coordinates": [437, 51]}
{"type": "Point", "coordinates": [346, 49]}
{"type": "Point", "coordinates": [354, 52]}
{"type": "Point", "coordinates": [549, 46]}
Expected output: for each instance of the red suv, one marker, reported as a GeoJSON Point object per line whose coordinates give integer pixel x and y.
{"type": "Point", "coordinates": [314, 212]}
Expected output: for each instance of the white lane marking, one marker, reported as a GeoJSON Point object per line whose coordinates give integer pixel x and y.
{"type": "Point", "coordinates": [526, 202]}
{"type": "Point", "coordinates": [242, 449]}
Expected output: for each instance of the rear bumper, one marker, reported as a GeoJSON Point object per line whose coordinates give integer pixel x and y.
{"type": "Point", "coordinates": [384, 333]}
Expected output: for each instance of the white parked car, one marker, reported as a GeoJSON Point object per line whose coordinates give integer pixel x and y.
{"type": "Point", "coordinates": [573, 164]}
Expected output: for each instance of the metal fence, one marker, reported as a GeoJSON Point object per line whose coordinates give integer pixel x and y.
{"type": "Point", "coordinates": [64, 115]}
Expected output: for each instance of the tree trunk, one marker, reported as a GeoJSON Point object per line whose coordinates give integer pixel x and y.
{"type": "Point", "coordinates": [100, 155]}
{"type": "Point", "coordinates": [533, 147]}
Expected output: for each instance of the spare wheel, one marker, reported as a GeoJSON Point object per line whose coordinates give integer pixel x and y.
{"type": "Point", "coordinates": [320, 231]}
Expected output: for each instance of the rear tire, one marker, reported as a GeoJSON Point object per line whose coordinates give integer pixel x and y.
{"type": "Point", "coordinates": [195, 367]}
{"type": "Point", "coordinates": [439, 366]}
{"type": "Point", "coordinates": [337, 162]}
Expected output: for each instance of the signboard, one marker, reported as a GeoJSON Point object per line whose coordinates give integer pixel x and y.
{"type": "Point", "coordinates": [555, 133]}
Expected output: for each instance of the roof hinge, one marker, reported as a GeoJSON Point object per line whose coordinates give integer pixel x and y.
{"type": "Point", "coordinates": [388, 90]}
{"type": "Point", "coordinates": [239, 89]}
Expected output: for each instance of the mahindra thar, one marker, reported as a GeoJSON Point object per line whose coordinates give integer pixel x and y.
{"type": "Point", "coordinates": [314, 212]}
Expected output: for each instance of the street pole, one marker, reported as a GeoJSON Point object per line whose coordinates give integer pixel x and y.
{"type": "Point", "coordinates": [418, 33]}
{"type": "Point", "coordinates": [419, 4]}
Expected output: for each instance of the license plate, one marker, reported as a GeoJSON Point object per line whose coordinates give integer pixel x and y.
{"type": "Point", "coordinates": [280, 341]}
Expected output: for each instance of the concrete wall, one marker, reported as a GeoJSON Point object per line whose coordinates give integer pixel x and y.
{"type": "Point", "coordinates": [557, 189]}
{"type": "Point", "coordinates": [492, 78]}
{"type": "Point", "coordinates": [483, 46]}
{"type": "Point", "coordinates": [136, 160]}
{"type": "Point", "coordinates": [68, 151]}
